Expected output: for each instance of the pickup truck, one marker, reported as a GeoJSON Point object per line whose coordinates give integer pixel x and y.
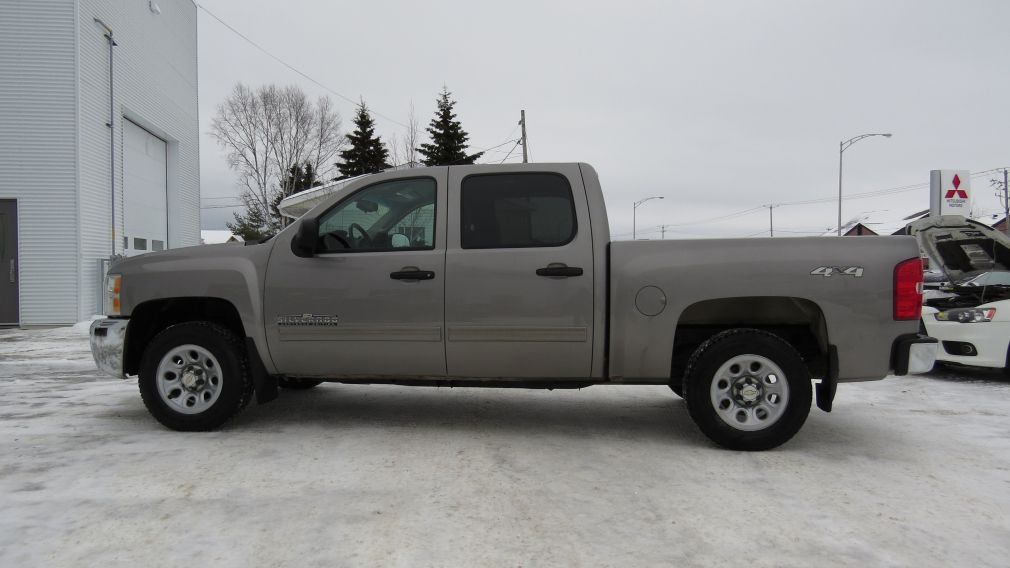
{"type": "Point", "coordinates": [505, 276]}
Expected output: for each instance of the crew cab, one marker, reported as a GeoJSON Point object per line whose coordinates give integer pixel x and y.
{"type": "Point", "coordinates": [506, 276]}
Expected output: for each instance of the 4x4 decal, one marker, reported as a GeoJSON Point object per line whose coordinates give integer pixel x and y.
{"type": "Point", "coordinates": [828, 271]}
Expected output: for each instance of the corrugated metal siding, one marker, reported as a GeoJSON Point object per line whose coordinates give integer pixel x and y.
{"type": "Point", "coordinates": [38, 113]}
{"type": "Point", "coordinates": [156, 87]}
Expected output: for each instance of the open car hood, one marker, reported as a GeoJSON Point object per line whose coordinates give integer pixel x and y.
{"type": "Point", "coordinates": [961, 247]}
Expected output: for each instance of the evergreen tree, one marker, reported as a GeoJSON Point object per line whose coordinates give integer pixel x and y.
{"type": "Point", "coordinates": [299, 179]}
{"type": "Point", "coordinates": [251, 225]}
{"type": "Point", "coordinates": [448, 139]}
{"type": "Point", "coordinates": [254, 223]}
{"type": "Point", "coordinates": [367, 154]}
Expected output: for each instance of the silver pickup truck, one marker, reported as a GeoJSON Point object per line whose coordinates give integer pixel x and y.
{"type": "Point", "coordinates": [505, 276]}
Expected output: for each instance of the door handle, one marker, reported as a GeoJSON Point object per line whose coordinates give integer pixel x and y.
{"type": "Point", "coordinates": [13, 273]}
{"type": "Point", "coordinates": [560, 271]}
{"type": "Point", "coordinates": [412, 275]}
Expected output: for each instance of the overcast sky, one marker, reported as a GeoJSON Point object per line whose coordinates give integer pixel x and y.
{"type": "Point", "coordinates": [717, 106]}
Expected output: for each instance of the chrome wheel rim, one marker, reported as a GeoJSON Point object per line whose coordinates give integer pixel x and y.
{"type": "Point", "coordinates": [749, 392]}
{"type": "Point", "coordinates": [189, 379]}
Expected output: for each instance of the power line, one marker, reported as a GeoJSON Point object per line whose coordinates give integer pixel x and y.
{"type": "Point", "coordinates": [291, 67]}
{"type": "Point", "coordinates": [876, 192]}
{"type": "Point", "coordinates": [863, 195]}
{"type": "Point", "coordinates": [510, 151]}
{"type": "Point", "coordinates": [720, 218]}
{"type": "Point", "coordinates": [221, 206]}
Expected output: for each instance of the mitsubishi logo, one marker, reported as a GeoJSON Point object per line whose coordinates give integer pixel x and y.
{"type": "Point", "coordinates": [951, 193]}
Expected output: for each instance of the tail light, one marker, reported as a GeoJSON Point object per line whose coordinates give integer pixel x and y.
{"type": "Point", "coordinates": [908, 289]}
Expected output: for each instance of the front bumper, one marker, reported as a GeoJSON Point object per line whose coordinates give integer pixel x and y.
{"type": "Point", "coordinates": [989, 341]}
{"type": "Point", "coordinates": [108, 337]}
{"type": "Point", "coordinates": [913, 354]}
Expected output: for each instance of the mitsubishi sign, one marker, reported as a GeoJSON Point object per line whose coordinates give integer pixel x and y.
{"type": "Point", "coordinates": [950, 192]}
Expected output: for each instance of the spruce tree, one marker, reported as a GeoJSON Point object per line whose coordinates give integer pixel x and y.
{"type": "Point", "coordinates": [299, 179]}
{"type": "Point", "coordinates": [367, 154]}
{"type": "Point", "coordinates": [448, 139]}
{"type": "Point", "coordinates": [251, 225]}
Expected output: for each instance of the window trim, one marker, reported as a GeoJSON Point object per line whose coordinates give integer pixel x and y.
{"type": "Point", "coordinates": [434, 229]}
{"type": "Point", "coordinates": [571, 196]}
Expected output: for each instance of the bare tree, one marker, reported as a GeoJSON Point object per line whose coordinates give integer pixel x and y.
{"type": "Point", "coordinates": [267, 131]}
{"type": "Point", "coordinates": [404, 150]}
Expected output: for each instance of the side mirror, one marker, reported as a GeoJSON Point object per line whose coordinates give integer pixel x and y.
{"type": "Point", "coordinates": [367, 206]}
{"type": "Point", "coordinates": [399, 240]}
{"type": "Point", "coordinates": [304, 242]}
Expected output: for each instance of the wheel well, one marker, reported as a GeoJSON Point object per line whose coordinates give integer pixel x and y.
{"type": "Point", "coordinates": [796, 320]}
{"type": "Point", "coordinates": [150, 318]}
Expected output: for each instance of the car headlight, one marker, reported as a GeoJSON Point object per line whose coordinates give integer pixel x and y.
{"type": "Point", "coordinates": [113, 287]}
{"type": "Point", "coordinates": [966, 315]}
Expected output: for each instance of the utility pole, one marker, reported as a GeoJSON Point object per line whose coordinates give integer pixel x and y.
{"type": "Point", "coordinates": [771, 221]}
{"type": "Point", "coordinates": [662, 232]}
{"type": "Point", "coordinates": [1003, 193]}
{"type": "Point", "coordinates": [634, 211]}
{"type": "Point", "coordinates": [522, 122]}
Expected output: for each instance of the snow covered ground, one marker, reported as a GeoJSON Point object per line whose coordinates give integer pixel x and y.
{"type": "Point", "coordinates": [904, 472]}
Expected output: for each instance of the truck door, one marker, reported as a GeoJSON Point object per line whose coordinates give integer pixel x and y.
{"type": "Point", "coordinates": [519, 274]}
{"type": "Point", "coordinates": [370, 302]}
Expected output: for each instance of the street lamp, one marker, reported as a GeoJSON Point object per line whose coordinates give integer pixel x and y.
{"type": "Point", "coordinates": [634, 234]}
{"type": "Point", "coordinates": [842, 147]}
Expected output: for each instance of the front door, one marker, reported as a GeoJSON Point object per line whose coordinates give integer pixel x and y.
{"type": "Point", "coordinates": [9, 262]}
{"type": "Point", "coordinates": [370, 303]}
{"type": "Point", "coordinates": [519, 275]}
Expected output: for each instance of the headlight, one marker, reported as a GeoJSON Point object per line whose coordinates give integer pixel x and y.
{"type": "Point", "coordinates": [113, 286]}
{"type": "Point", "coordinates": [966, 315]}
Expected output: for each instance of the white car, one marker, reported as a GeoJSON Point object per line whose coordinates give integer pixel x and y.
{"type": "Point", "coordinates": [978, 336]}
{"type": "Point", "coordinates": [970, 315]}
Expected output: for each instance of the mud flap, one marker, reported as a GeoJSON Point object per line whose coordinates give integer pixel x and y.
{"type": "Point", "coordinates": [829, 384]}
{"type": "Point", "coordinates": [264, 384]}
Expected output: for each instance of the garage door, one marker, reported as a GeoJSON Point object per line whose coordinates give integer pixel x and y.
{"type": "Point", "coordinates": [145, 191]}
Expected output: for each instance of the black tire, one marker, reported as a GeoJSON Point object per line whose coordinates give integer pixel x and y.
{"type": "Point", "coordinates": [297, 384]}
{"type": "Point", "coordinates": [236, 387]}
{"type": "Point", "coordinates": [700, 380]}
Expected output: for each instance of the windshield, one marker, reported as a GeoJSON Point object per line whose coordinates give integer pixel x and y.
{"type": "Point", "coordinates": [988, 279]}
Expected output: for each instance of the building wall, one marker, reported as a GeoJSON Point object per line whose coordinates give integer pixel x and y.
{"type": "Point", "coordinates": [38, 114]}
{"type": "Point", "coordinates": [155, 86]}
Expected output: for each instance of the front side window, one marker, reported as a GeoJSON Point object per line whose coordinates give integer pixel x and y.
{"type": "Point", "coordinates": [392, 215]}
{"type": "Point", "coordinates": [517, 210]}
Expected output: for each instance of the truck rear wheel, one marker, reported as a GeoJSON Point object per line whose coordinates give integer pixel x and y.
{"type": "Point", "coordinates": [748, 389]}
{"type": "Point", "coordinates": [194, 376]}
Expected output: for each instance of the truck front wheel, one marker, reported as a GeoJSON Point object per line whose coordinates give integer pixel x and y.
{"type": "Point", "coordinates": [194, 376]}
{"type": "Point", "coordinates": [748, 389]}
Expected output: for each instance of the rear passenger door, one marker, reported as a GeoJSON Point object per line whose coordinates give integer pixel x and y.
{"type": "Point", "coordinates": [519, 274]}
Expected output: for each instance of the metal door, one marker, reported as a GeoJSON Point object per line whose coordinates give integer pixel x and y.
{"type": "Point", "coordinates": [145, 191]}
{"type": "Point", "coordinates": [369, 312]}
{"type": "Point", "coordinates": [519, 294]}
{"type": "Point", "coordinates": [9, 262]}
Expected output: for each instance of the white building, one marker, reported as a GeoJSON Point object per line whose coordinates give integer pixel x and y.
{"type": "Point", "coordinates": [98, 146]}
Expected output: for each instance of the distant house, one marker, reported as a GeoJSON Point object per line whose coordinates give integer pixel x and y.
{"type": "Point", "coordinates": [1000, 225]}
{"type": "Point", "coordinates": [216, 237]}
{"type": "Point", "coordinates": [877, 223]}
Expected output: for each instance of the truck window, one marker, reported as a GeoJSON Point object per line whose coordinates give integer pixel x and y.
{"type": "Point", "coordinates": [392, 215]}
{"type": "Point", "coordinates": [517, 210]}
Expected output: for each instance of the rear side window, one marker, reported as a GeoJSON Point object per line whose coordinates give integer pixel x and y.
{"type": "Point", "coordinates": [517, 210]}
